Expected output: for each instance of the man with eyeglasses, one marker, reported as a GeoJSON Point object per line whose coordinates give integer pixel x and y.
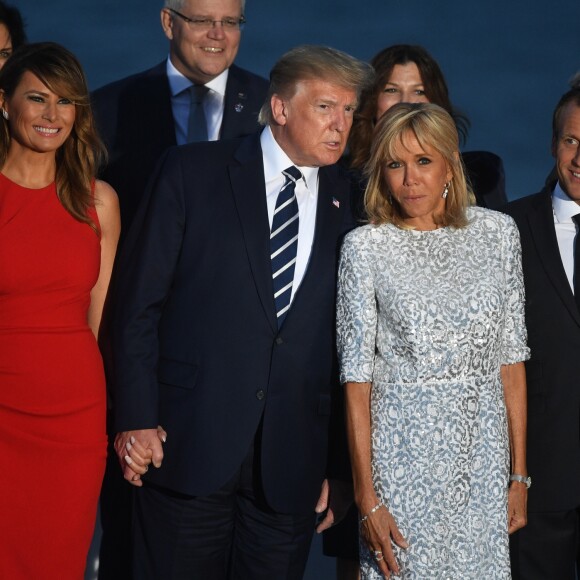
{"type": "Point", "coordinates": [140, 116]}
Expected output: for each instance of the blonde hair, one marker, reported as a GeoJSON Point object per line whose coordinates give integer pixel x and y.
{"type": "Point", "coordinates": [433, 127]}
{"type": "Point", "coordinates": [308, 62]}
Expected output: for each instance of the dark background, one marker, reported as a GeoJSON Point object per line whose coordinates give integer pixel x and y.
{"type": "Point", "coordinates": [506, 62]}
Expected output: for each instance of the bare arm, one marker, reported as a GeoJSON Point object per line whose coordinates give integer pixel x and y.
{"type": "Point", "coordinates": [107, 206]}
{"type": "Point", "coordinates": [514, 384]}
{"type": "Point", "coordinates": [379, 527]}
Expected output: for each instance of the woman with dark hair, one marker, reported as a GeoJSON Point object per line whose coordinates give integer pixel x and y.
{"type": "Point", "coordinates": [59, 228]}
{"type": "Point", "coordinates": [12, 33]}
{"type": "Point", "coordinates": [431, 342]}
{"type": "Point", "coordinates": [409, 74]}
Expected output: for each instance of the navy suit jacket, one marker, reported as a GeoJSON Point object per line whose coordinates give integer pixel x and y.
{"type": "Point", "coordinates": [135, 121]}
{"type": "Point", "coordinates": [553, 378]}
{"type": "Point", "coordinates": [196, 343]}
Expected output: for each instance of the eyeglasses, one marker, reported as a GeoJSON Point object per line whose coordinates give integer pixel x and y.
{"type": "Point", "coordinates": [208, 23]}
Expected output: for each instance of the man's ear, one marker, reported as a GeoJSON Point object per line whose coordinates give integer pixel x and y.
{"type": "Point", "coordinates": [167, 23]}
{"type": "Point", "coordinates": [279, 109]}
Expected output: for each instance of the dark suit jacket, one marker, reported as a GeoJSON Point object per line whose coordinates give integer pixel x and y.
{"type": "Point", "coordinates": [196, 343]}
{"type": "Point", "coordinates": [135, 121]}
{"type": "Point", "coordinates": [553, 378]}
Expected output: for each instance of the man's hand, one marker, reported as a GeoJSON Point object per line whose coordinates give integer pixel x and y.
{"type": "Point", "coordinates": [137, 449]}
{"type": "Point", "coordinates": [335, 498]}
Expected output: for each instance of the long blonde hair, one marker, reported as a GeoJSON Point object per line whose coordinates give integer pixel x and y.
{"type": "Point", "coordinates": [81, 155]}
{"type": "Point", "coordinates": [433, 127]}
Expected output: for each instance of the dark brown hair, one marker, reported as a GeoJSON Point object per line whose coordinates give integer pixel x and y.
{"type": "Point", "coordinates": [572, 96]}
{"type": "Point", "coordinates": [12, 19]}
{"type": "Point", "coordinates": [436, 91]}
{"type": "Point", "coordinates": [79, 158]}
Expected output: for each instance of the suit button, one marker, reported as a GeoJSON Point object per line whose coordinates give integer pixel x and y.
{"type": "Point", "coordinates": [279, 340]}
{"type": "Point", "coordinates": [260, 395]}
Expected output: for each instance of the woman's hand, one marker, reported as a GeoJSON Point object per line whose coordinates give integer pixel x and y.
{"type": "Point", "coordinates": [379, 530]}
{"type": "Point", "coordinates": [517, 506]}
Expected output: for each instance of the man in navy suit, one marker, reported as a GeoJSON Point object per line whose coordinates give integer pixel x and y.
{"type": "Point", "coordinates": [548, 546]}
{"type": "Point", "coordinates": [142, 115]}
{"type": "Point", "coordinates": [205, 346]}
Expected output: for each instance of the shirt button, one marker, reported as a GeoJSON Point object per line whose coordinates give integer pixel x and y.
{"type": "Point", "coordinates": [260, 395]}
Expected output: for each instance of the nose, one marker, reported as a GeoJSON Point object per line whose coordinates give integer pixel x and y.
{"type": "Point", "coordinates": [341, 122]}
{"type": "Point", "coordinates": [217, 30]}
{"type": "Point", "coordinates": [49, 112]}
{"type": "Point", "coordinates": [576, 158]}
{"type": "Point", "coordinates": [409, 176]}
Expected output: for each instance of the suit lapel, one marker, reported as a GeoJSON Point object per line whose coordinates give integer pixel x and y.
{"type": "Point", "coordinates": [543, 232]}
{"type": "Point", "coordinates": [235, 101]}
{"type": "Point", "coordinates": [157, 99]}
{"type": "Point", "coordinates": [249, 191]}
{"type": "Point", "coordinates": [331, 204]}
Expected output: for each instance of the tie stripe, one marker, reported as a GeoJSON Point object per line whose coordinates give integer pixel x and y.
{"type": "Point", "coordinates": [284, 242]}
{"type": "Point", "coordinates": [283, 226]}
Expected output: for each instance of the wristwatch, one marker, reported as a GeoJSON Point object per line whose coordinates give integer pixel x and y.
{"type": "Point", "coordinates": [522, 479]}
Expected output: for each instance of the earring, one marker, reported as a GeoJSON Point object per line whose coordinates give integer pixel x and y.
{"type": "Point", "coordinates": [5, 114]}
{"type": "Point", "coordinates": [446, 190]}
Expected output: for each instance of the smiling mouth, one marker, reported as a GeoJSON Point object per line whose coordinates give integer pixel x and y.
{"type": "Point", "coordinates": [576, 174]}
{"type": "Point", "coordinates": [212, 49]}
{"type": "Point", "coordinates": [46, 130]}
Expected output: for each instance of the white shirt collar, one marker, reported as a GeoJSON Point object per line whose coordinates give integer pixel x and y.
{"type": "Point", "coordinates": [178, 82]}
{"type": "Point", "coordinates": [564, 206]}
{"type": "Point", "coordinates": [276, 161]}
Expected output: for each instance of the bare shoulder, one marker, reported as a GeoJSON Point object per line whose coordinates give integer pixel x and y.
{"type": "Point", "coordinates": [105, 195]}
{"type": "Point", "coordinates": [107, 206]}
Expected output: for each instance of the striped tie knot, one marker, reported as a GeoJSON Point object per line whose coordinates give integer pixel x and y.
{"type": "Point", "coordinates": [292, 173]}
{"type": "Point", "coordinates": [284, 242]}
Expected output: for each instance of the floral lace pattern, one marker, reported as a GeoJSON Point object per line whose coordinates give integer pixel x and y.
{"type": "Point", "coordinates": [429, 318]}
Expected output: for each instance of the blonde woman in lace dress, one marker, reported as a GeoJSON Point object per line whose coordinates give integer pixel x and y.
{"type": "Point", "coordinates": [432, 341]}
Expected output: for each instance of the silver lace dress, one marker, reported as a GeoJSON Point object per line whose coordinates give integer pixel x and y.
{"type": "Point", "coordinates": [429, 318]}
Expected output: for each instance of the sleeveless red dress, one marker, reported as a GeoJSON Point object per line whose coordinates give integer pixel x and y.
{"type": "Point", "coordinates": [52, 387]}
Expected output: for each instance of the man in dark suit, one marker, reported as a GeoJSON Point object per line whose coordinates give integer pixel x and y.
{"type": "Point", "coordinates": [547, 547]}
{"type": "Point", "coordinates": [224, 335]}
{"type": "Point", "coordinates": [140, 116]}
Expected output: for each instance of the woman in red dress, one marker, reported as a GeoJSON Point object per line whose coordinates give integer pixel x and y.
{"type": "Point", "coordinates": [59, 228]}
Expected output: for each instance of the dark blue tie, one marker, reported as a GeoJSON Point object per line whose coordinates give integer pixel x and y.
{"type": "Point", "coordinates": [284, 243]}
{"type": "Point", "coordinates": [196, 124]}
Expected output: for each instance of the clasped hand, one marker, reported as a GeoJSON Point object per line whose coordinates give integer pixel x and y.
{"type": "Point", "coordinates": [136, 450]}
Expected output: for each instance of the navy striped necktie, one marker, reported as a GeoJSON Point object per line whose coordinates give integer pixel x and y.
{"type": "Point", "coordinates": [284, 242]}
{"type": "Point", "coordinates": [197, 123]}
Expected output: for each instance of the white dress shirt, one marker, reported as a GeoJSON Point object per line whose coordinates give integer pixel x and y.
{"type": "Point", "coordinates": [276, 161]}
{"type": "Point", "coordinates": [564, 208]}
{"type": "Point", "coordinates": [213, 103]}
